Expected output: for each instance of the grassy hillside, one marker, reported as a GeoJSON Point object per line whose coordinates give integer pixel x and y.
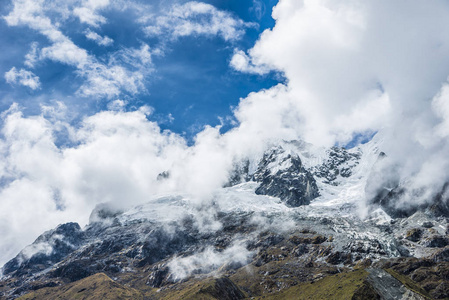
{"type": "Point", "coordinates": [98, 286]}
{"type": "Point", "coordinates": [340, 286]}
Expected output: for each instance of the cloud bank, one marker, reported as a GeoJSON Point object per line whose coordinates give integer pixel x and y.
{"type": "Point", "coordinates": [356, 68]}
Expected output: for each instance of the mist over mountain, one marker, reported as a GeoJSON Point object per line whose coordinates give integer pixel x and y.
{"type": "Point", "coordinates": [123, 158]}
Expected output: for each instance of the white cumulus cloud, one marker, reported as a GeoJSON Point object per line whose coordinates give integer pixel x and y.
{"type": "Point", "coordinates": [353, 67]}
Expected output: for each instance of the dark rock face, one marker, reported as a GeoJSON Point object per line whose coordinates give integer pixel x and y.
{"type": "Point", "coordinates": [414, 234]}
{"type": "Point", "coordinates": [366, 291]}
{"type": "Point", "coordinates": [158, 276]}
{"type": "Point", "coordinates": [340, 162]}
{"type": "Point", "coordinates": [338, 257]}
{"type": "Point", "coordinates": [164, 175]}
{"type": "Point", "coordinates": [436, 241]}
{"type": "Point", "coordinates": [48, 249]}
{"type": "Point", "coordinates": [427, 225]}
{"type": "Point", "coordinates": [160, 244]}
{"type": "Point", "coordinates": [441, 291]}
{"type": "Point", "coordinates": [441, 255]}
{"type": "Point", "coordinates": [73, 271]}
{"type": "Point", "coordinates": [365, 247]}
{"type": "Point", "coordinates": [386, 286]}
{"type": "Point", "coordinates": [283, 175]}
{"type": "Point", "coordinates": [225, 289]}
{"type": "Point", "coordinates": [317, 239]}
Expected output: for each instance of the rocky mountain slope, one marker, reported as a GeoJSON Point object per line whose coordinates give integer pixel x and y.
{"type": "Point", "coordinates": [295, 223]}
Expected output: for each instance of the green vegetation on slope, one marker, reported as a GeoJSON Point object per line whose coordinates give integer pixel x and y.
{"type": "Point", "coordinates": [340, 286]}
{"type": "Point", "coordinates": [208, 289]}
{"type": "Point", "coordinates": [98, 286]}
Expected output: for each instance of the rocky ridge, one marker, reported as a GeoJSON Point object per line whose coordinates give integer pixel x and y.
{"type": "Point", "coordinates": [281, 174]}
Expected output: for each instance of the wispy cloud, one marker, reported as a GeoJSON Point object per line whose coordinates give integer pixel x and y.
{"type": "Point", "coordinates": [100, 40]}
{"type": "Point", "coordinates": [208, 260]}
{"type": "Point", "coordinates": [32, 56]}
{"type": "Point", "coordinates": [88, 12]}
{"type": "Point", "coordinates": [258, 8]}
{"type": "Point", "coordinates": [126, 71]}
{"type": "Point", "coordinates": [100, 79]}
{"type": "Point", "coordinates": [197, 18]}
{"type": "Point", "coordinates": [23, 77]}
{"type": "Point", "coordinates": [114, 72]}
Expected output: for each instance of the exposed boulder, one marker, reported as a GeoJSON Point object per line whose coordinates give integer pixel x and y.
{"type": "Point", "coordinates": [427, 224]}
{"type": "Point", "coordinates": [414, 234]}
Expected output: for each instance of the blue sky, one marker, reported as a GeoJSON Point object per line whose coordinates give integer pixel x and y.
{"type": "Point", "coordinates": [190, 85]}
